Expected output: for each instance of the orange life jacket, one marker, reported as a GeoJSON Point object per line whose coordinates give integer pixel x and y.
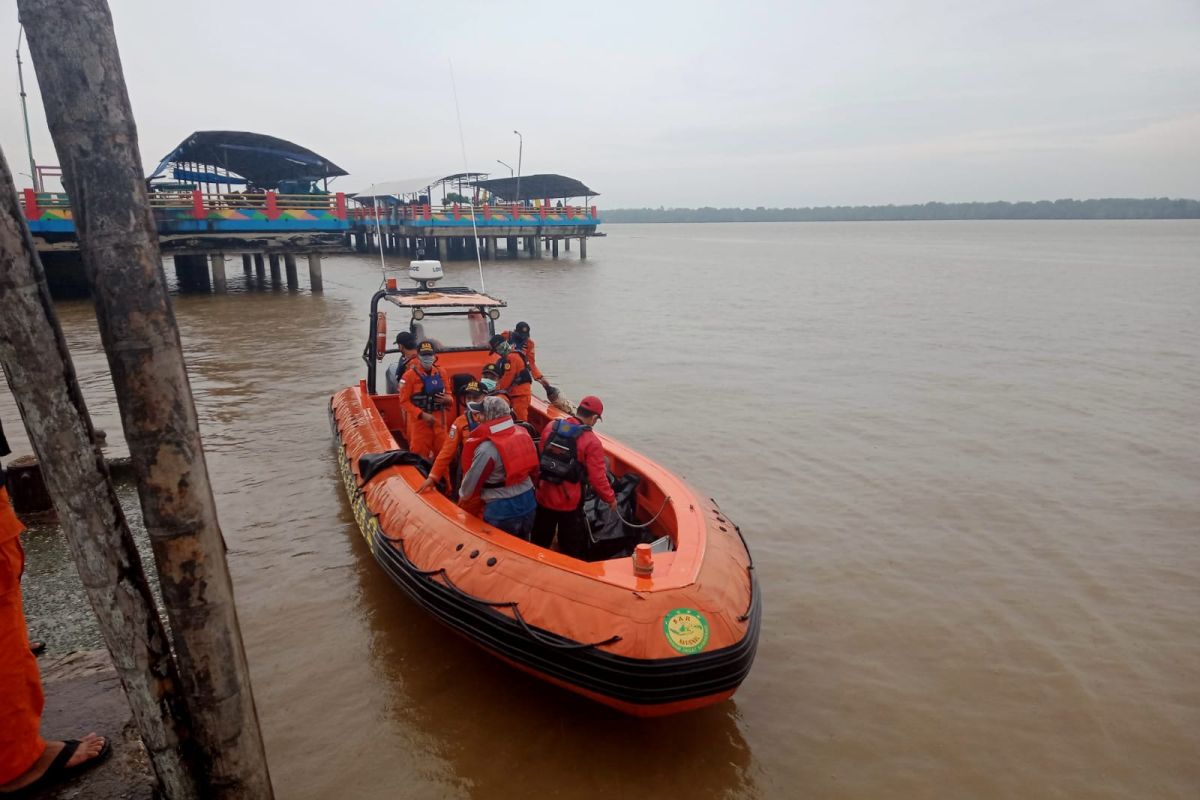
{"type": "Point", "coordinates": [517, 451]}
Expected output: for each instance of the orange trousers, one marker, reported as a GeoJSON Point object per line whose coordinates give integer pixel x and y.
{"type": "Point", "coordinates": [425, 438]}
{"type": "Point", "coordinates": [21, 698]}
{"type": "Point", "coordinates": [520, 405]}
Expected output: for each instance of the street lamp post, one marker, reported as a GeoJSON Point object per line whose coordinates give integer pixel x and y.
{"type": "Point", "coordinates": [37, 185]}
{"type": "Point", "coordinates": [510, 169]}
{"type": "Point", "coordinates": [520, 154]}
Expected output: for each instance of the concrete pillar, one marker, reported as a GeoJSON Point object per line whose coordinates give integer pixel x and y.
{"type": "Point", "coordinates": [218, 272]}
{"type": "Point", "coordinates": [512, 246]}
{"type": "Point", "coordinates": [191, 273]}
{"type": "Point", "coordinates": [583, 248]}
{"type": "Point", "coordinates": [314, 273]}
{"type": "Point", "coordinates": [554, 248]}
{"type": "Point", "coordinates": [537, 247]}
{"type": "Point", "coordinates": [360, 239]}
{"type": "Point", "coordinates": [567, 243]}
{"type": "Point", "coordinates": [489, 248]}
{"type": "Point", "coordinates": [289, 264]}
{"type": "Point", "coordinates": [260, 268]}
{"type": "Point", "coordinates": [443, 246]}
{"type": "Point", "coordinates": [246, 264]}
{"type": "Point", "coordinates": [275, 276]}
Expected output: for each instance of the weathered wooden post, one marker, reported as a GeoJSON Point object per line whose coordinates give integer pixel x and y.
{"type": "Point", "coordinates": [217, 260]}
{"type": "Point", "coordinates": [289, 266]}
{"type": "Point", "coordinates": [42, 379]}
{"type": "Point", "coordinates": [260, 269]}
{"type": "Point", "coordinates": [315, 282]}
{"type": "Point", "coordinates": [246, 264]}
{"type": "Point", "coordinates": [276, 279]}
{"type": "Point", "coordinates": [74, 51]}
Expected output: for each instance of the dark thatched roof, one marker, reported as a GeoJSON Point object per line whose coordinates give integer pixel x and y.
{"type": "Point", "coordinates": [536, 187]}
{"type": "Point", "coordinates": [263, 160]}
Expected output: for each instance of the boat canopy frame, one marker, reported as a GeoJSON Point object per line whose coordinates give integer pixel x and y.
{"type": "Point", "coordinates": [475, 301]}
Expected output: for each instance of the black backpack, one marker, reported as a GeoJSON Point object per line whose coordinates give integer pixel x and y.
{"type": "Point", "coordinates": [560, 453]}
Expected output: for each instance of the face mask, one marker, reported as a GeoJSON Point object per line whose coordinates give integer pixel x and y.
{"type": "Point", "coordinates": [426, 361]}
{"type": "Point", "coordinates": [487, 383]}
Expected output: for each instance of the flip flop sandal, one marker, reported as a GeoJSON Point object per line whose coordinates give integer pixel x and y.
{"type": "Point", "coordinates": [58, 769]}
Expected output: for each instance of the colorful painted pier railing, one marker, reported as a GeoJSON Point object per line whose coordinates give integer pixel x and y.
{"type": "Point", "coordinates": [500, 215]}
{"type": "Point", "coordinates": [200, 212]}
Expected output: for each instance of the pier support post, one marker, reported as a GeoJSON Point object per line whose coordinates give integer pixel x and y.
{"type": "Point", "coordinates": [567, 244]}
{"type": "Point", "coordinates": [246, 264]}
{"type": "Point", "coordinates": [489, 248]}
{"type": "Point", "coordinates": [443, 246]}
{"type": "Point", "coordinates": [315, 282]}
{"type": "Point", "coordinates": [276, 278]}
{"type": "Point", "coordinates": [260, 269]}
{"type": "Point", "coordinates": [583, 248]}
{"type": "Point", "coordinates": [554, 248]}
{"type": "Point", "coordinates": [218, 272]}
{"type": "Point", "coordinates": [289, 266]}
{"type": "Point", "coordinates": [537, 247]}
{"type": "Point", "coordinates": [512, 246]}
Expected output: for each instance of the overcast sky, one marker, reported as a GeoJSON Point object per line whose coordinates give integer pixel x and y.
{"type": "Point", "coordinates": [683, 104]}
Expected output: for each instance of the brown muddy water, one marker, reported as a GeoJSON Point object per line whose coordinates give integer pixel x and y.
{"type": "Point", "coordinates": [966, 456]}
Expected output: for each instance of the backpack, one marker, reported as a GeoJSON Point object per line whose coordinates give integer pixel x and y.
{"type": "Point", "coordinates": [560, 454]}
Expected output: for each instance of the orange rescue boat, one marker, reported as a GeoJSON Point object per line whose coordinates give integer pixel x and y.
{"type": "Point", "coordinates": [649, 639]}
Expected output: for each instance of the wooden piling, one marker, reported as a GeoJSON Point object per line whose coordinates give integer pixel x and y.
{"type": "Point", "coordinates": [315, 282]}
{"type": "Point", "coordinates": [276, 277]}
{"type": "Point", "coordinates": [42, 379]}
{"type": "Point", "coordinates": [246, 264]}
{"type": "Point", "coordinates": [74, 51]}
{"type": "Point", "coordinates": [443, 246]}
{"type": "Point", "coordinates": [289, 265]}
{"type": "Point", "coordinates": [554, 248]}
{"type": "Point", "coordinates": [567, 243]}
{"type": "Point", "coordinates": [218, 272]}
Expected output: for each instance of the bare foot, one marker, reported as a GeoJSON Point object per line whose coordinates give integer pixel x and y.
{"type": "Point", "coordinates": [89, 747]}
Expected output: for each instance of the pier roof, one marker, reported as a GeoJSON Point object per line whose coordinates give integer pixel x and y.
{"type": "Point", "coordinates": [537, 187]}
{"type": "Point", "coordinates": [263, 160]}
{"type": "Point", "coordinates": [415, 186]}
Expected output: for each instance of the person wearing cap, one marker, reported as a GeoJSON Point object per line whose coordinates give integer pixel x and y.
{"type": "Point", "coordinates": [500, 461]}
{"type": "Point", "coordinates": [467, 421]}
{"type": "Point", "coordinates": [408, 352]}
{"type": "Point", "coordinates": [488, 381]}
{"type": "Point", "coordinates": [516, 380]}
{"type": "Point", "coordinates": [518, 337]}
{"type": "Point", "coordinates": [571, 455]}
{"type": "Point", "coordinates": [424, 397]}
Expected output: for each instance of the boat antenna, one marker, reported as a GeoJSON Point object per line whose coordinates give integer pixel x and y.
{"type": "Point", "coordinates": [378, 236]}
{"type": "Point", "coordinates": [462, 143]}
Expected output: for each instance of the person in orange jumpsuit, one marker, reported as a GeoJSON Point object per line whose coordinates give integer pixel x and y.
{"type": "Point", "coordinates": [516, 379]}
{"type": "Point", "coordinates": [518, 337]}
{"type": "Point", "coordinates": [472, 393]}
{"type": "Point", "coordinates": [26, 758]}
{"type": "Point", "coordinates": [424, 394]}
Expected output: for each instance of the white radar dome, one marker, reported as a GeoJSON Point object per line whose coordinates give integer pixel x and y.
{"type": "Point", "coordinates": [425, 272]}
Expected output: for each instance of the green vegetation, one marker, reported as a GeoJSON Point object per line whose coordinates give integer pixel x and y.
{"type": "Point", "coordinates": [1107, 208]}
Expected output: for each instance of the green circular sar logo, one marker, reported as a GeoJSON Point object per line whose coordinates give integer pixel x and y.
{"type": "Point", "coordinates": [686, 630]}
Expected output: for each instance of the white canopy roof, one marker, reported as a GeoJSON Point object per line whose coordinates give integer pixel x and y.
{"type": "Point", "coordinates": [398, 188]}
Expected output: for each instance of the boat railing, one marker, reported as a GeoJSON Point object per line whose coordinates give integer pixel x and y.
{"type": "Point", "coordinates": [481, 211]}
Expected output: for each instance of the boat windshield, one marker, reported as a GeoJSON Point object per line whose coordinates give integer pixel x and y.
{"type": "Point", "coordinates": [453, 329]}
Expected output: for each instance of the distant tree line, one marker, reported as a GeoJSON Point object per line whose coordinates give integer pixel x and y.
{"type": "Point", "coordinates": [1105, 208]}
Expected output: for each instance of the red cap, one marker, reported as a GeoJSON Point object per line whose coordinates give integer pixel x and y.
{"type": "Point", "coordinates": [592, 405]}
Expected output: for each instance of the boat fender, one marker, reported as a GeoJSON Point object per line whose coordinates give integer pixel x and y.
{"type": "Point", "coordinates": [380, 335]}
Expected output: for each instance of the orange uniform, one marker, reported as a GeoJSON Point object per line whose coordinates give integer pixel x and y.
{"type": "Point", "coordinates": [530, 351]}
{"type": "Point", "coordinates": [425, 438]}
{"type": "Point", "coordinates": [452, 449]}
{"type": "Point", "coordinates": [21, 697]}
{"type": "Point", "coordinates": [514, 382]}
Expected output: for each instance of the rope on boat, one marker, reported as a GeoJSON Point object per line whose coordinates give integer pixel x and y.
{"type": "Point", "coordinates": [624, 521]}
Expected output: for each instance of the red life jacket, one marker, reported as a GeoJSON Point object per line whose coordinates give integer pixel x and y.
{"type": "Point", "coordinates": [517, 451]}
